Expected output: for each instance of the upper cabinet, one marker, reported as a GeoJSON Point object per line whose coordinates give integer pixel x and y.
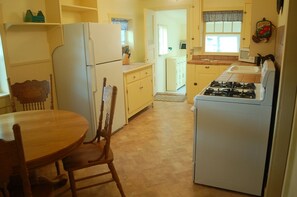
{"type": "Point", "coordinates": [78, 11]}
{"type": "Point", "coordinates": [247, 23]}
{"type": "Point", "coordinates": [196, 25]}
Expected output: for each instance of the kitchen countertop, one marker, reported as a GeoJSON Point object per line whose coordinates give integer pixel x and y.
{"type": "Point", "coordinates": [246, 78]}
{"type": "Point", "coordinates": [251, 78]}
{"type": "Point", "coordinates": [211, 62]}
{"type": "Point", "coordinates": [220, 62]}
{"type": "Point", "coordinates": [134, 66]}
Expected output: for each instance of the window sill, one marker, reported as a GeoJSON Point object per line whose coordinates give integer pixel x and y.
{"type": "Point", "coordinates": [4, 94]}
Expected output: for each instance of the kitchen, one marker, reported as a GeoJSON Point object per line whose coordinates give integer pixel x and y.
{"type": "Point", "coordinates": [38, 61]}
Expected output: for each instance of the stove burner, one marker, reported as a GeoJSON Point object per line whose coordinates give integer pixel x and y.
{"type": "Point", "coordinates": [244, 85]}
{"type": "Point", "coordinates": [230, 92]}
{"type": "Point", "coordinates": [235, 85]}
{"type": "Point", "coordinates": [244, 94]}
{"type": "Point", "coordinates": [221, 84]}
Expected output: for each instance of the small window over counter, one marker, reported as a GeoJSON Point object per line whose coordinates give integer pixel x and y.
{"type": "Point", "coordinates": [124, 28]}
{"type": "Point", "coordinates": [127, 33]}
{"type": "Point", "coordinates": [222, 31]}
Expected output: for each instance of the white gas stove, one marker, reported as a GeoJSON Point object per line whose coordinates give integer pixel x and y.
{"type": "Point", "coordinates": [253, 93]}
{"type": "Point", "coordinates": [232, 124]}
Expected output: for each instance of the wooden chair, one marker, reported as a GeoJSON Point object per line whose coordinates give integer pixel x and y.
{"type": "Point", "coordinates": [13, 165]}
{"type": "Point", "coordinates": [32, 95]}
{"type": "Point", "coordinates": [97, 151]}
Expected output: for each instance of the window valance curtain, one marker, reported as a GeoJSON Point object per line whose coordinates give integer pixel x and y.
{"type": "Point", "coordinates": [214, 16]}
{"type": "Point", "coordinates": [122, 22]}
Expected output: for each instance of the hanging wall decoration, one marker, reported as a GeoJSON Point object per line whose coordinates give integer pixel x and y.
{"type": "Point", "coordinates": [264, 30]}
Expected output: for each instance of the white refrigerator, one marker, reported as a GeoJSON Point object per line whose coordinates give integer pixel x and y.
{"type": "Point", "coordinates": [90, 52]}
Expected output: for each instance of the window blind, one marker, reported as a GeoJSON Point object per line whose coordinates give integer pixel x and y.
{"type": "Point", "coordinates": [214, 16]}
{"type": "Point", "coordinates": [122, 22]}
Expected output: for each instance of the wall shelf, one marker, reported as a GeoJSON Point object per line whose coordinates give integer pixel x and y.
{"type": "Point", "coordinates": [28, 24]}
{"type": "Point", "coordinates": [75, 8]}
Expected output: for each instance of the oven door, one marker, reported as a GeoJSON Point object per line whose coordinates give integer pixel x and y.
{"type": "Point", "coordinates": [230, 145]}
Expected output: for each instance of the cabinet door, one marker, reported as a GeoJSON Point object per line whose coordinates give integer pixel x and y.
{"type": "Point", "coordinates": [223, 68]}
{"type": "Point", "coordinates": [192, 84]}
{"type": "Point", "coordinates": [247, 18]}
{"type": "Point", "coordinates": [134, 98]}
{"type": "Point", "coordinates": [198, 77]}
{"type": "Point", "coordinates": [171, 74]}
{"type": "Point", "coordinates": [206, 74]}
{"type": "Point", "coordinates": [197, 24]}
{"type": "Point", "coordinates": [146, 90]}
{"type": "Point", "coordinates": [204, 79]}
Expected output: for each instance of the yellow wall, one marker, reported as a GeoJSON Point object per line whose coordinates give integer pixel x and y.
{"type": "Point", "coordinates": [222, 4]}
{"type": "Point", "coordinates": [261, 9]}
{"type": "Point", "coordinates": [129, 9]}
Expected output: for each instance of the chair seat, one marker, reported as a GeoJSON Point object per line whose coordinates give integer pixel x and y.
{"type": "Point", "coordinates": [81, 156]}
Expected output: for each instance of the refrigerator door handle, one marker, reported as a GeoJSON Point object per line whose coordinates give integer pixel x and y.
{"type": "Point", "coordinates": [91, 51]}
{"type": "Point", "coordinates": [92, 78]}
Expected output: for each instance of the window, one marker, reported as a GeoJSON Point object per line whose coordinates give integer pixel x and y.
{"type": "Point", "coordinates": [163, 40]}
{"type": "Point", "coordinates": [124, 29]}
{"type": "Point", "coordinates": [222, 31]}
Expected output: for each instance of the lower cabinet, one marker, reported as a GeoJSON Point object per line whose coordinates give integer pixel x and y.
{"type": "Point", "coordinates": [138, 90]}
{"type": "Point", "coordinates": [199, 76]}
{"type": "Point", "coordinates": [175, 72]}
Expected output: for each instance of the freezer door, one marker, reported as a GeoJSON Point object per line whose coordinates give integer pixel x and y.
{"type": "Point", "coordinates": [104, 43]}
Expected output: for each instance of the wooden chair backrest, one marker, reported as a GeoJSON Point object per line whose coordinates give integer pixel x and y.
{"type": "Point", "coordinates": [13, 162]}
{"type": "Point", "coordinates": [106, 116]}
{"type": "Point", "coordinates": [31, 94]}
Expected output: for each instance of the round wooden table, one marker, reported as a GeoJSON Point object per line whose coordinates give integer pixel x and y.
{"type": "Point", "coordinates": [48, 135]}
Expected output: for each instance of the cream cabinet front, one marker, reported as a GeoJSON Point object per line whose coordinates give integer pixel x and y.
{"type": "Point", "coordinates": [199, 76]}
{"type": "Point", "coordinates": [247, 24]}
{"type": "Point", "coordinates": [175, 72]}
{"type": "Point", "coordinates": [138, 90]}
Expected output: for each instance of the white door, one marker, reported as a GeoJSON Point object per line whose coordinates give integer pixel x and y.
{"type": "Point", "coordinates": [150, 39]}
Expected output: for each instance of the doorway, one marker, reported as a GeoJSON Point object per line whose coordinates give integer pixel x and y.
{"type": "Point", "coordinates": [175, 22]}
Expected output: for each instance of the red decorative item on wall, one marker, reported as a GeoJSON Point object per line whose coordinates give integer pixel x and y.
{"type": "Point", "coordinates": [264, 30]}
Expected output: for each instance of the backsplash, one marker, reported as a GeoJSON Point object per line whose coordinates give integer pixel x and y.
{"type": "Point", "coordinates": [215, 57]}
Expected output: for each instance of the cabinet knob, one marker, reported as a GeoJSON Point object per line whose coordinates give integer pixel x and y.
{"type": "Point", "coordinates": [207, 67]}
{"type": "Point", "coordinates": [195, 84]}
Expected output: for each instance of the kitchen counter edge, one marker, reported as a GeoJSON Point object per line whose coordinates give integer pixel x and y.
{"type": "Point", "coordinates": [134, 66]}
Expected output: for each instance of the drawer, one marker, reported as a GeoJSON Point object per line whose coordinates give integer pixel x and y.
{"type": "Point", "coordinates": [145, 72]}
{"type": "Point", "coordinates": [132, 76]}
{"type": "Point", "coordinates": [208, 69]}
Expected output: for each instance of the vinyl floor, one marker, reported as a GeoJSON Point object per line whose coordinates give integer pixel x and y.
{"type": "Point", "coordinates": [153, 157]}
